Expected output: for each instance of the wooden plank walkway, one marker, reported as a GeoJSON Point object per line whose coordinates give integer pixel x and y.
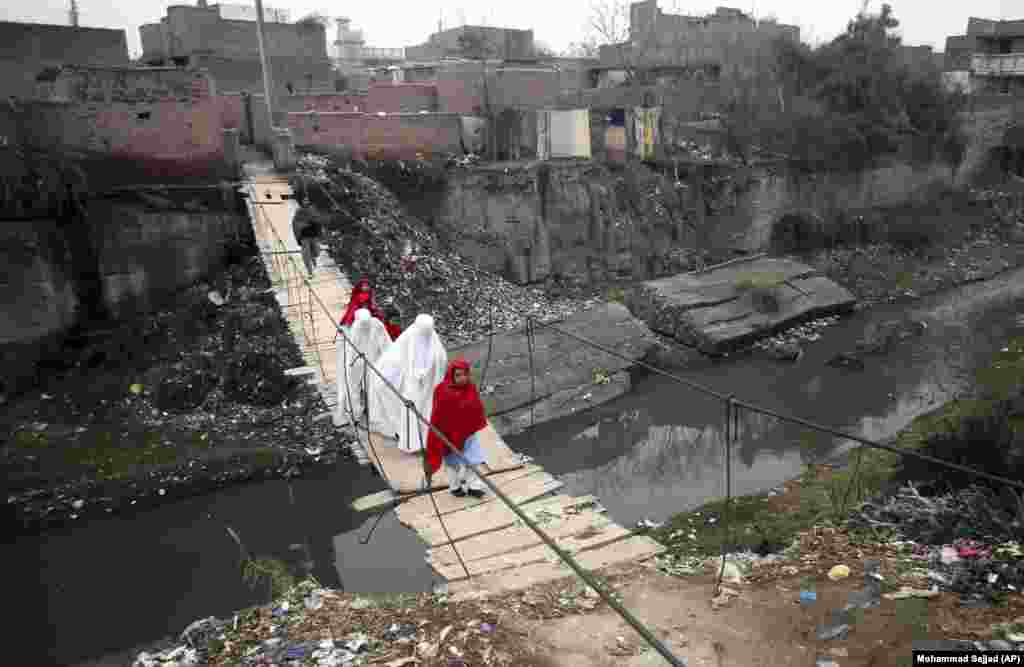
{"type": "Point", "coordinates": [312, 328]}
{"type": "Point", "coordinates": [500, 552]}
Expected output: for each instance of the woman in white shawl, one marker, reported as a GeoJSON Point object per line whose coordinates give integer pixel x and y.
{"type": "Point", "coordinates": [367, 335]}
{"type": "Point", "coordinates": [414, 364]}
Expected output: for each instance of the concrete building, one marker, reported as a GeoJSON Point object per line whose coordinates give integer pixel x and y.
{"type": "Point", "coordinates": [30, 49]}
{"type": "Point", "coordinates": [501, 44]}
{"type": "Point", "coordinates": [726, 43]}
{"type": "Point", "coordinates": [350, 49]}
{"type": "Point", "coordinates": [202, 36]}
{"type": "Point", "coordinates": [989, 59]}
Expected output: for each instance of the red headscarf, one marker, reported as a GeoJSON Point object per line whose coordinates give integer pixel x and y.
{"type": "Point", "coordinates": [362, 297]}
{"type": "Point", "coordinates": [458, 412]}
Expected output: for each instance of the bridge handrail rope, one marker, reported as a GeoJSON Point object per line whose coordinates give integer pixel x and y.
{"type": "Point", "coordinates": [565, 557]}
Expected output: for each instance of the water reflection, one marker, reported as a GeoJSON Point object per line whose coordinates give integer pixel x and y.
{"type": "Point", "coordinates": [392, 562]}
{"type": "Point", "coordinates": [674, 466]}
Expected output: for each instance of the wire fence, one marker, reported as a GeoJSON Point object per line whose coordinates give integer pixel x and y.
{"type": "Point", "coordinates": [733, 408]}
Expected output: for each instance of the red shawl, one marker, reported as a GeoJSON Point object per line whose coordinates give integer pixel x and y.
{"type": "Point", "coordinates": [457, 412]}
{"type": "Point", "coordinates": [393, 330]}
{"type": "Point", "coordinates": [362, 297]}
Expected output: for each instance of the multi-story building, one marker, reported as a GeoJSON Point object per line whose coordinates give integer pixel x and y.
{"type": "Point", "coordinates": [223, 40]}
{"type": "Point", "coordinates": [498, 44]}
{"type": "Point", "coordinates": [351, 49]}
{"type": "Point", "coordinates": [726, 43]}
{"type": "Point", "coordinates": [990, 56]}
{"type": "Point", "coordinates": [28, 50]}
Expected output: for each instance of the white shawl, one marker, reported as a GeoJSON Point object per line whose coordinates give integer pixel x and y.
{"type": "Point", "coordinates": [415, 363]}
{"type": "Point", "coordinates": [368, 335]}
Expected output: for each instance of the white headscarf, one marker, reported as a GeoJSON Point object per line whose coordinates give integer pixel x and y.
{"type": "Point", "coordinates": [415, 364]}
{"type": "Point", "coordinates": [369, 336]}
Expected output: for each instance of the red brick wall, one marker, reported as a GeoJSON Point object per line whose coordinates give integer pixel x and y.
{"type": "Point", "coordinates": [402, 98]}
{"type": "Point", "coordinates": [343, 102]}
{"type": "Point", "coordinates": [395, 136]}
{"type": "Point", "coordinates": [174, 138]}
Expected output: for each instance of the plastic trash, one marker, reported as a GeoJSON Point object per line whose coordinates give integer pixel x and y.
{"type": "Point", "coordinates": [808, 597]}
{"type": "Point", "coordinates": [949, 555]}
{"type": "Point", "coordinates": [838, 572]}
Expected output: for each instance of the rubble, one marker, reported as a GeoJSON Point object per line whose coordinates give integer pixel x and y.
{"type": "Point", "coordinates": [371, 235]}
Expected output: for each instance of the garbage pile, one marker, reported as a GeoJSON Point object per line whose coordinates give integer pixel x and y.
{"type": "Point", "coordinates": [314, 626]}
{"type": "Point", "coordinates": [967, 542]}
{"type": "Point", "coordinates": [369, 234]}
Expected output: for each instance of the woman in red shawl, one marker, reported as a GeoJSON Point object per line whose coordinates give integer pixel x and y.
{"type": "Point", "coordinates": [459, 413]}
{"type": "Point", "coordinates": [363, 297]}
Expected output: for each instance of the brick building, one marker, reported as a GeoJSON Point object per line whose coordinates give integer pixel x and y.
{"type": "Point", "coordinates": [202, 37]}
{"type": "Point", "coordinates": [30, 49]}
{"type": "Point", "coordinates": [501, 43]}
{"type": "Point", "coordinates": [726, 43]}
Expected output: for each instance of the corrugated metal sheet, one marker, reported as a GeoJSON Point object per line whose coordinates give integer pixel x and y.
{"type": "Point", "coordinates": [563, 134]}
{"type": "Point", "coordinates": [646, 126]}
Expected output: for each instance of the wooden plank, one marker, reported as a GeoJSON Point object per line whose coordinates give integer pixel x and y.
{"type": "Point", "coordinates": [572, 544]}
{"type": "Point", "coordinates": [405, 471]}
{"type": "Point", "coordinates": [516, 538]}
{"type": "Point", "coordinates": [636, 548]}
{"type": "Point", "coordinates": [488, 518]}
{"type": "Point", "coordinates": [519, 490]}
{"type": "Point", "coordinates": [383, 497]}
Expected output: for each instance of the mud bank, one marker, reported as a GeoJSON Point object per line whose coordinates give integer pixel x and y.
{"type": "Point", "coordinates": [182, 401]}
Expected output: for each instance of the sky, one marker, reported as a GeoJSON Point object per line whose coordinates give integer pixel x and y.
{"type": "Point", "coordinates": [555, 24]}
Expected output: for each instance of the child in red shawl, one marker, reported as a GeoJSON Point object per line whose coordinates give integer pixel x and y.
{"type": "Point", "coordinates": [457, 412]}
{"type": "Point", "coordinates": [363, 297]}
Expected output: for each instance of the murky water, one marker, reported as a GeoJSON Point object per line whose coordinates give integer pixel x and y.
{"type": "Point", "coordinates": [660, 449]}
{"type": "Point", "coordinates": [119, 582]}
{"type": "Point", "coordinates": [131, 579]}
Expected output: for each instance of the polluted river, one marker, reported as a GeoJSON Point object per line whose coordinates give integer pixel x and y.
{"type": "Point", "coordinates": [115, 583]}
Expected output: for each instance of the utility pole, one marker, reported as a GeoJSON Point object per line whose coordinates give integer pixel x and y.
{"type": "Point", "coordinates": [267, 85]}
{"type": "Point", "coordinates": [74, 13]}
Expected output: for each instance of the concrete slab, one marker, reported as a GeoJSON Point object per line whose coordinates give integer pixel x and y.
{"type": "Point", "coordinates": [716, 312]}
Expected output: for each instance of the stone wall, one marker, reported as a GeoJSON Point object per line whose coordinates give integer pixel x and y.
{"type": "Point", "coordinates": [142, 255]}
{"type": "Point", "coordinates": [532, 220]}
{"type": "Point", "coordinates": [37, 293]}
{"type": "Point", "coordinates": [146, 254]}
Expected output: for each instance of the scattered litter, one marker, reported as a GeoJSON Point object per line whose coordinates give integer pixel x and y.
{"type": "Point", "coordinates": [907, 592]}
{"type": "Point", "coordinates": [839, 572]}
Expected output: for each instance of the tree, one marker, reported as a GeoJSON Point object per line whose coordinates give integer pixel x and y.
{"type": "Point", "coordinates": [588, 48]}
{"type": "Point", "coordinates": [542, 50]}
{"type": "Point", "coordinates": [609, 26]}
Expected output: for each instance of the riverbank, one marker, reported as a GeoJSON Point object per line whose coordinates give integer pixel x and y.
{"type": "Point", "coordinates": [189, 399]}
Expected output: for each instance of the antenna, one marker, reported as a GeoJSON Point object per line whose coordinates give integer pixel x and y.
{"type": "Point", "coordinates": [73, 13]}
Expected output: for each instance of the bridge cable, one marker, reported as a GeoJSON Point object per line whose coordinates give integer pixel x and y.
{"type": "Point", "coordinates": [790, 418]}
